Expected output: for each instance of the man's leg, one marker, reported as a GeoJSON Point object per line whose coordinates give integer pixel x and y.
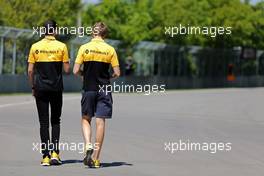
{"type": "Point", "coordinates": [87, 134]}
{"type": "Point", "coordinates": [86, 129]}
{"type": "Point", "coordinates": [100, 131]}
{"type": "Point", "coordinates": [104, 104]}
{"type": "Point", "coordinates": [43, 113]}
{"type": "Point", "coordinates": [88, 108]}
{"type": "Point", "coordinates": [56, 106]}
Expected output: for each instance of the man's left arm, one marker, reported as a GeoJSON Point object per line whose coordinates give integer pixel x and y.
{"type": "Point", "coordinates": [77, 69]}
{"type": "Point", "coordinates": [78, 62]}
{"type": "Point", "coordinates": [31, 76]}
{"type": "Point", "coordinates": [31, 64]}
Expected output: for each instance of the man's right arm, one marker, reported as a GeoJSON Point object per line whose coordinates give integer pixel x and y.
{"type": "Point", "coordinates": [115, 65]}
{"type": "Point", "coordinates": [66, 67]}
{"type": "Point", "coordinates": [116, 73]}
{"type": "Point", "coordinates": [66, 61]}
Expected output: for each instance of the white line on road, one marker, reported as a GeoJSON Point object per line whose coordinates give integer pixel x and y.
{"type": "Point", "coordinates": [16, 104]}
{"type": "Point", "coordinates": [32, 101]}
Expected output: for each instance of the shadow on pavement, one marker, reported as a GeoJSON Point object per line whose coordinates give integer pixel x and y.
{"type": "Point", "coordinates": [71, 161]}
{"type": "Point", "coordinates": [115, 164]}
{"type": "Point", "coordinates": [112, 164]}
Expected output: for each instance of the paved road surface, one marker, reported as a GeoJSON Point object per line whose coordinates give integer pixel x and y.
{"type": "Point", "coordinates": [139, 132]}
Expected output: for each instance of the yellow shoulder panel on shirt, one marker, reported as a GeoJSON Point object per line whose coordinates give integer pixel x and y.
{"type": "Point", "coordinates": [97, 50]}
{"type": "Point", "coordinates": [48, 50]}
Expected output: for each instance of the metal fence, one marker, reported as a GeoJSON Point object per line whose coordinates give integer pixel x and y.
{"type": "Point", "coordinates": [148, 58]}
{"type": "Point", "coordinates": [155, 59]}
{"type": "Point", "coordinates": [14, 44]}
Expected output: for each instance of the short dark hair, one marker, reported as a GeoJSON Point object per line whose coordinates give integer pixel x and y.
{"type": "Point", "coordinates": [100, 29]}
{"type": "Point", "coordinates": [50, 27]}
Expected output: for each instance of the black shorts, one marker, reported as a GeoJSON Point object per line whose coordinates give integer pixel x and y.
{"type": "Point", "coordinates": [97, 104]}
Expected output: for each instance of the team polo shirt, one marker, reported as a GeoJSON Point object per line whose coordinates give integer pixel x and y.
{"type": "Point", "coordinates": [96, 57]}
{"type": "Point", "coordinates": [48, 55]}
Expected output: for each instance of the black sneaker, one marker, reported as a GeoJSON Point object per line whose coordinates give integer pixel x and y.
{"type": "Point", "coordinates": [88, 161]}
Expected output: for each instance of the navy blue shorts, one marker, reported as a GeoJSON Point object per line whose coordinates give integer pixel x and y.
{"type": "Point", "coordinates": [97, 104]}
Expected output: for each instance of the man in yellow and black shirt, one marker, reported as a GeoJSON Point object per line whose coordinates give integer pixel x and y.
{"type": "Point", "coordinates": [45, 62]}
{"type": "Point", "coordinates": [96, 57]}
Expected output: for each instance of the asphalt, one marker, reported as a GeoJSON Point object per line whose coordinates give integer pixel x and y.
{"type": "Point", "coordinates": [140, 137]}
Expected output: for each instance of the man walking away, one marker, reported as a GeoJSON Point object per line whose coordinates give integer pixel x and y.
{"type": "Point", "coordinates": [45, 62]}
{"type": "Point", "coordinates": [96, 57]}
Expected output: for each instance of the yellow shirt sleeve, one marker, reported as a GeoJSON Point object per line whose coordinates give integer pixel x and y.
{"type": "Point", "coordinates": [31, 57]}
{"type": "Point", "coordinates": [65, 54]}
{"type": "Point", "coordinates": [114, 59]}
{"type": "Point", "coordinates": [79, 59]}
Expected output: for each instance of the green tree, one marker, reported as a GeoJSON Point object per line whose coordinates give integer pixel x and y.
{"type": "Point", "coordinates": [29, 13]}
{"type": "Point", "coordinates": [128, 21]}
{"type": "Point", "coordinates": [133, 21]}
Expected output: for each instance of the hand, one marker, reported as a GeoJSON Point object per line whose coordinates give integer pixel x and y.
{"type": "Point", "coordinates": [114, 76]}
